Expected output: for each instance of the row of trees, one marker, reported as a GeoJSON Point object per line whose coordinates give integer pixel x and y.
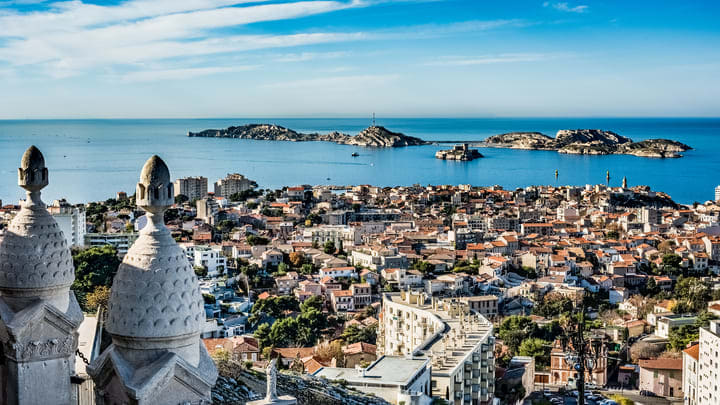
{"type": "Point", "coordinates": [301, 331]}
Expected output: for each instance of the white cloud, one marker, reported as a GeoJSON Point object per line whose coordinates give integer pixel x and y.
{"type": "Point", "coordinates": [181, 74]}
{"type": "Point", "coordinates": [334, 82]}
{"type": "Point", "coordinates": [563, 6]}
{"type": "Point", "coordinates": [488, 59]}
{"type": "Point", "coordinates": [308, 56]}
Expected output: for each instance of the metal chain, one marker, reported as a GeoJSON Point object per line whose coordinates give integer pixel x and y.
{"type": "Point", "coordinates": [82, 357]}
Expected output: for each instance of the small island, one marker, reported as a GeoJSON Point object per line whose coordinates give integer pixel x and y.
{"type": "Point", "coordinates": [588, 142]}
{"type": "Point", "coordinates": [570, 141]}
{"type": "Point", "coordinates": [373, 136]}
{"type": "Point", "coordinates": [459, 152]}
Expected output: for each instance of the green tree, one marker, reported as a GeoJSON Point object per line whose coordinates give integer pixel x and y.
{"type": "Point", "coordinates": [94, 267]}
{"type": "Point", "coordinates": [315, 302]}
{"type": "Point", "coordinates": [514, 329]}
{"type": "Point", "coordinates": [671, 263]}
{"type": "Point", "coordinates": [536, 348]}
{"type": "Point", "coordinates": [329, 247]}
{"type": "Point", "coordinates": [553, 305]}
{"type": "Point", "coordinates": [262, 334]}
{"type": "Point", "coordinates": [181, 199]}
{"type": "Point", "coordinates": [254, 240]}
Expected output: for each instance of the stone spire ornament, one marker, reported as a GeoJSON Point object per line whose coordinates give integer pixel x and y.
{"type": "Point", "coordinates": [155, 315]}
{"type": "Point", "coordinates": [39, 315]}
{"type": "Point", "coordinates": [271, 396]}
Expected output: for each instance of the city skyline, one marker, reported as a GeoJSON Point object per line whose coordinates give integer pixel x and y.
{"type": "Point", "coordinates": [230, 58]}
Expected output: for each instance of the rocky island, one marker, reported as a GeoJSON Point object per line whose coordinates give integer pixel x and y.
{"type": "Point", "coordinates": [374, 136]}
{"type": "Point", "coordinates": [588, 142]}
{"type": "Point", "coordinates": [459, 152]}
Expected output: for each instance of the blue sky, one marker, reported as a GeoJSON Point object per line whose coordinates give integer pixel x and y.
{"type": "Point", "coordinates": [347, 58]}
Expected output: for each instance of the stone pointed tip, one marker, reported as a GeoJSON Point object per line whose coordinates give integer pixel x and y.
{"type": "Point", "coordinates": [32, 159]}
{"type": "Point", "coordinates": [155, 172]}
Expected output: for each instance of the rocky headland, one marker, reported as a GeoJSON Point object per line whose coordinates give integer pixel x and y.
{"type": "Point", "coordinates": [588, 142]}
{"type": "Point", "coordinates": [374, 136]}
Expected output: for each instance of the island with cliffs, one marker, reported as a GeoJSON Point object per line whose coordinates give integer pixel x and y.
{"type": "Point", "coordinates": [588, 142]}
{"type": "Point", "coordinates": [373, 136]}
{"type": "Point", "coordinates": [571, 141]}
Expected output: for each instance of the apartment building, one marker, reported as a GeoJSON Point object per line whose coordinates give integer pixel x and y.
{"type": "Point", "coordinates": [192, 187]}
{"type": "Point", "coordinates": [709, 364]}
{"type": "Point", "coordinates": [459, 343]}
{"type": "Point", "coordinates": [120, 241]}
{"type": "Point", "coordinates": [233, 183]}
{"type": "Point", "coordinates": [71, 221]}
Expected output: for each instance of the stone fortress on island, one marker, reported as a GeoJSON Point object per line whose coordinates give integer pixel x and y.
{"type": "Point", "coordinates": [154, 317]}
{"type": "Point", "coordinates": [459, 152]}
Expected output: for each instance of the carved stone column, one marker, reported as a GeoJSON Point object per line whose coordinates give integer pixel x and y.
{"type": "Point", "coordinates": [39, 315]}
{"type": "Point", "coordinates": [155, 315]}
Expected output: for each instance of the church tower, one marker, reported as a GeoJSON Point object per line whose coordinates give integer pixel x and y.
{"type": "Point", "coordinates": [155, 315]}
{"type": "Point", "coordinates": [39, 315]}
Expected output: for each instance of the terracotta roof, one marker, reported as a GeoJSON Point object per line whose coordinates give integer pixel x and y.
{"type": "Point", "coordinates": [661, 364]}
{"type": "Point", "coordinates": [293, 352]}
{"type": "Point", "coordinates": [360, 347]}
{"type": "Point", "coordinates": [693, 351]}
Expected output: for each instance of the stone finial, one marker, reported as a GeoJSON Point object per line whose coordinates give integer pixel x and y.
{"type": "Point", "coordinates": [32, 174]}
{"type": "Point", "coordinates": [154, 192]}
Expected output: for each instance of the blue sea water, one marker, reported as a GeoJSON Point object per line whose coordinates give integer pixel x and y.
{"type": "Point", "coordinates": [91, 160]}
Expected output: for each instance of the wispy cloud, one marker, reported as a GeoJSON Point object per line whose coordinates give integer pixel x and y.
{"type": "Point", "coordinates": [334, 82]}
{"type": "Point", "coordinates": [180, 74]}
{"type": "Point", "coordinates": [142, 40]}
{"type": "Point", "coordinates": [309, 56]}
{"type": "Point", "coordinates": [488, 59]}
{"type": "Point", "coordinates": [563, 6]}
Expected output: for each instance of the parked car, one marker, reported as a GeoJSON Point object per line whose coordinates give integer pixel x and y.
{"type": "Point", "coordinates": [591, 386]}
{"type": "Point", "coordinates": [646, 393]}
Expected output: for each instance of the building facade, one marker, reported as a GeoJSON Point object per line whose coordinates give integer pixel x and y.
{"type": "Point", "coordinates": [459, 343]}
{"type": "Point", "coordinates": [120, 241]}
{"type": "Point", "coordinates": [690, 374]}
{"type": "Point", "coordinates": [708, 364]}
{"type": "Point", "coordinates": [233, 183]}
{"type": "Point", "coordinates": [192, 187]}
{"type": "Point", "coordinates": [71, 221]}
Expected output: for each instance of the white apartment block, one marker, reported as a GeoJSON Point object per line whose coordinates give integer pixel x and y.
{"type": "Point", "coordinates": [717, 193]}
{"type": "Point", "coordinates": [379, 258]}
{"type": "Point", "coordinates": [690, 374]}
{"type": "Point", "coordinates": [71, 221]}
{"type": "Point", "coordinates": [207, 257]}
{"type": "Point", "coordinates": [120, 241]}
{"type": "Point", "coordinates": [192, 187]}
{"type": "Point", "coordinates": [709, 365]}
{"type": "Point", "coordinates": [233, 183]}
{"type": "Point", "coordinates": [459, 343]}
{"type": "Point", "coordinates": [349, 236]}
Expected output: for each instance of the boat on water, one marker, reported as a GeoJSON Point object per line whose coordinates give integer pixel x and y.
{"type": "Point", "coordinates": [355, 154]}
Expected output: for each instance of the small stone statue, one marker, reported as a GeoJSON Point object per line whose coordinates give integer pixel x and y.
{"type": "Point", "coordinates": [271, 372]}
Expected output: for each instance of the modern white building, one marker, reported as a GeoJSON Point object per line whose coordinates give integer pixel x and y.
{"type": "Point", "coordinates": [709, 365]}
{"type": "Point", "coordinates": [208, 257]}
{"type": "Point", "coordinates": [690, 374]}
{"type": "Point", "coordinates": [349, 236]}
{"type": "Point", "coordinates": [396, 379]}
{"type": "Point", "coordinates": [233, 183]}
{"type": "Point", "coordinates": [379, 258]}
{"type": "Point", "coordinates": [192, 187]}
{"type": "Point", "coordinates": [717, 193]}
{"type": "Point", "coordinates": [71, 221]}
{"type": "Point", "coordinates": [121, 241]}
{"type": "Point", "coordinates": [458, 341]}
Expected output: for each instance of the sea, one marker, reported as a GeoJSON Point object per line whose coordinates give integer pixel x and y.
{"type": "Point", "coordinates": [91, 160]}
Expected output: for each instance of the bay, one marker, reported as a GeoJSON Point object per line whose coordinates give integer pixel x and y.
{"type": "Point", "coordinates": [91, 160]}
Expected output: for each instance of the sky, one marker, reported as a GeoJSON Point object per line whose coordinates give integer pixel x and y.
{"type": "Point", "coordinates": [349, 58]}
